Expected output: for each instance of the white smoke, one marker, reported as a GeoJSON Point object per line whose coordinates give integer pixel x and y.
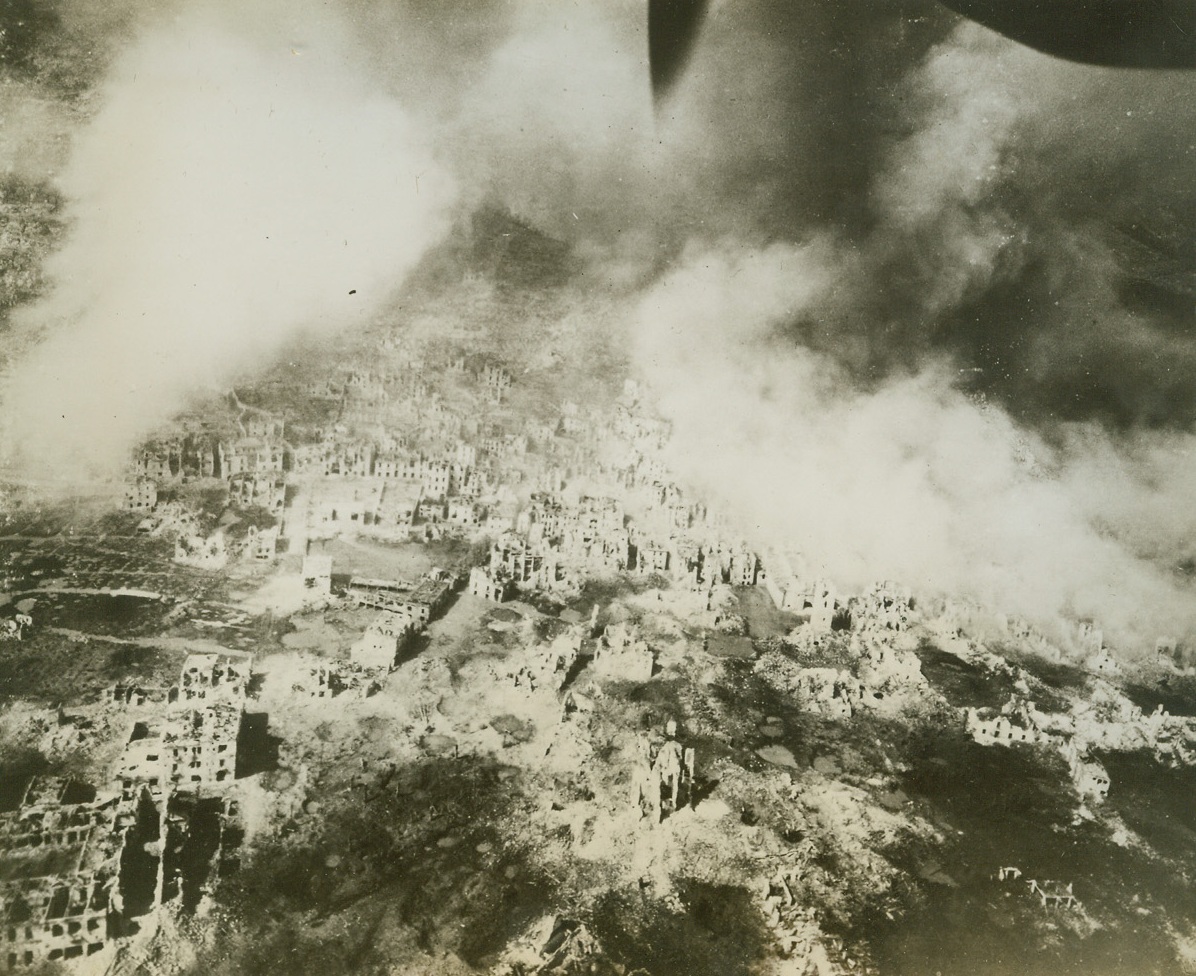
{"type": "Point", "coordinates": [236, 186]}
{"type": "Point", "coordinates": [913, 481]}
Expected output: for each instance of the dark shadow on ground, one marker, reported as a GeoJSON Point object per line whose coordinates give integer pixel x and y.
{"type": "Point", "coordinates": [257, 749]}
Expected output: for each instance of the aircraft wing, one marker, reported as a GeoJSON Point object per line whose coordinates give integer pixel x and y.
{"type": "Point", "coordinates": [1113, 33]}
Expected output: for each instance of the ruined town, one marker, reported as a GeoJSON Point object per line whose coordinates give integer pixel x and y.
{"type": "Point", "coordinates": [412, 634]}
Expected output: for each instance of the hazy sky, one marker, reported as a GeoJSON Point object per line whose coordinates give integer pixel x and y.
{"type": "Point", "coordinates": [931, 292]}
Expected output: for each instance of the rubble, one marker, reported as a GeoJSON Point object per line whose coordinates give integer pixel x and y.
{"type": "Point", "coordinates": [1089, 777]}
{"type": "Point", "coordinates": [547, 667]}
{"type": "Point", "coordinates": [799, 938]}
{"type": "Point", "coordinates": [884, 607]}
{"type": "Point", "coordinates": [622, 654]}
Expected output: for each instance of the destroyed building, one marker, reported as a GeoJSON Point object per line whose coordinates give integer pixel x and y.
{"type": "Point", "coordinates": [261, 425]}
{"type": "Point", "coordinates": [141, 495]}
{"type": "Point", "coordinates": [137, 695]}
{"type": "Point", "coordinates": [417, 601]}
{"type": "Point", "coordinates": [260, 489]}
{"type": "Point", "coordinates": [744, 568]}
{"type": "Point", "coordinates": [526, 568]}
{"type": "Point", "coordinates": [832, 692]}
{"type": "Point", "coordinates": [318, 681]}
{"type": "Point", "coordinates": [193, 748]}
{"type": "Point", "coordinates": [884, 668]}
{"type": "Point", "coordinates": [1089, 777]}
{"type": "Point", "coordinates": [59, 853]}
{"type": "Point", "coordinates": [1054, 894]}
{"type": "Point", "coordinates": [780, 575]}
{"type": "Point", "coordinates": [81, 868]}
{"type": "Point", "coordinates": [651, 559]}
{"type": "Point", "coordinates": [49, 919]}
{"type": "Point", "coordinates": [547, 667]}
{"type": "Point", "coordinates": [317, 574]}
{"type": "Point", "coordinates": [382, 643]}
{"type": "Point", "coordinates": [621, 654]}
{"type": "Point", "coordinates": [261, 545]}
{"type": "Point", "coordinates": [1089, 639]}
{"type": "Point", "coordinates": [344, 507]}
{"type": "Point", "coordinates": [488, 584]}
{"type": "Point", "coordinates": [211, 677]}
{"type": "Point", "coordinates": [1102, 662]}
{"type": "Point", "coordinates": [820, 606]}
{"type": "Point", "coordinates": [1009, 726]}
{"type": "Point", "coordinates": [883, 607]}
{"type": "Point", "coordinates": [663, 778]}
{"type": "Point", "coordinates": [250, 455]}
{"type": "Point", "coordinates": [157, 463]}
{"type": "Point", "coordinates": [496, 383]}
{"type": "Point", "coordinates": [193, 743]}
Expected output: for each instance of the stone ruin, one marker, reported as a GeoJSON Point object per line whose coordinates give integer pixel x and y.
{"type": "Point", "coordinates": [663, 782]}
{"type": "Point", "coordinates": [547, 667]}
{"type": "Point", "coordinates": [1054, 894]}
{"type": "Point", "coordinates": [622, 654]}
{"type": "Point", "coordinates": [884, 607]}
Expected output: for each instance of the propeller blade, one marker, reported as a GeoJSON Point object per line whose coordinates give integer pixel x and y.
{"type": "Point", "coordinates": [673, 27]}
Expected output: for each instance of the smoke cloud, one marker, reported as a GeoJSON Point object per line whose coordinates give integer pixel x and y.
{"type": "Point", "coordinates": [232, 188]}
{"type": "Point", "coordinates": [911, 480]}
